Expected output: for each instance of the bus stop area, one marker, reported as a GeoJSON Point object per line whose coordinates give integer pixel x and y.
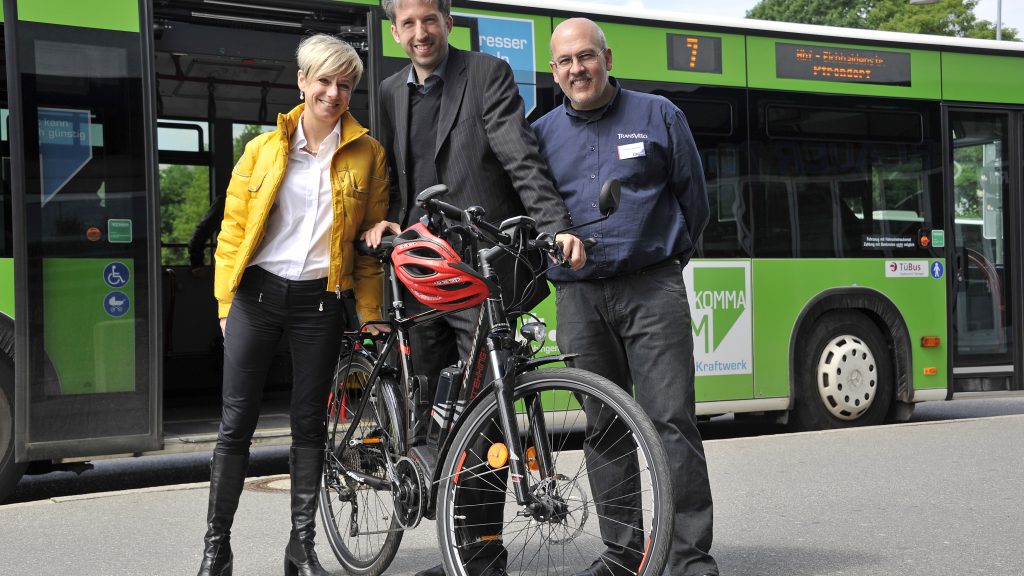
{"type": "Point", "coordinates": [928, 499]}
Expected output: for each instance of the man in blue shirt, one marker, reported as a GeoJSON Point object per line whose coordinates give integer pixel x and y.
{"type": "Point", "coordinates": [626, 313]}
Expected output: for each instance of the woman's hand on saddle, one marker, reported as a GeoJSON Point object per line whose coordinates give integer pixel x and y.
{"type": "Point", "coordinates": [379, 230]}
{"type": "Point", "coordinates": [377, 328]}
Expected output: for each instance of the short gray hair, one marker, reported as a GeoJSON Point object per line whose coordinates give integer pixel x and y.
{"type": "Point", "coordinates": [325, 55]}
{"type": "Point", "coordinates": [443, 6]}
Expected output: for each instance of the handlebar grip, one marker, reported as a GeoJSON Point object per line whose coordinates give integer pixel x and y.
{"type": "Point", "coordinates": [444, 208]}
{"type": "Point", "coordinates": [589, 242]}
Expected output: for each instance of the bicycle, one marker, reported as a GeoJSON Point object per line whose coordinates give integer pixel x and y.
{"type": "Point", "coordinates": [389, 464]}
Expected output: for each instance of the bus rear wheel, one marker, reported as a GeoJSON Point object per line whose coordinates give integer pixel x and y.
{"type": "Point", "coordinates": [845, 380]}
{"type": "Point", "coordinates": [10, 471]}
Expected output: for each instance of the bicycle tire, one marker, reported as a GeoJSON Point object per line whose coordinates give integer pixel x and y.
{"type": "Point", "coordinates": [378, 534]}
{"type": "Point", "coordinates": [568, 544]}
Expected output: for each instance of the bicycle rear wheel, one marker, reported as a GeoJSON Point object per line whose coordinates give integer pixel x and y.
{"type": "Point", "coordinates": [360, 521]}
{"type": "Point", "coordinates": [607, 499]}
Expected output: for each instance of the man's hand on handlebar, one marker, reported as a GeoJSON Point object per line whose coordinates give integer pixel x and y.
{"type": "Point", "coordinates": [379, 230]}
{"type": "Point", "coordinates": [572, 250]}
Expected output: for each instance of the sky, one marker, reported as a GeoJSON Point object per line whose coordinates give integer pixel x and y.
{"type": "Point", "coordinates": [1012, 14]}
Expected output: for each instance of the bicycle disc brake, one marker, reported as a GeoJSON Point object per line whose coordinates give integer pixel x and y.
{"type": "Point", "coordinates": [410, 494]}
{"type": "Point", "coordinates": [566, 492]}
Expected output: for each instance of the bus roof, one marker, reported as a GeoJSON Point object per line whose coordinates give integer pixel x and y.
{"type": "Point", "coordinates": [769, 28]}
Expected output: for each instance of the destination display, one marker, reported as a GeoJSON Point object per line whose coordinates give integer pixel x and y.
{"type": "Point", "coordinates": [831, 64]}
{"type": "Point", "coordinates": [695, 53]}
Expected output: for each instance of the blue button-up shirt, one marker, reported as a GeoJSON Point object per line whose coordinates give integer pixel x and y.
{"type": "Point", "coordinates": [645, 142]}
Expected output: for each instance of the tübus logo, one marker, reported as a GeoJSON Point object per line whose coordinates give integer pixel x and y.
{"type": "Point", "coordinates": [721, 294]}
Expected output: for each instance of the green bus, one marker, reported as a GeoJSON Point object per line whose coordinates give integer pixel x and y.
{"type": "Point", "coordinates": [861, 256]}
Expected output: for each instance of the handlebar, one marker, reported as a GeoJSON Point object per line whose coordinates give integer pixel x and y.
{"type": "Point", "coordinates": [472, 221]}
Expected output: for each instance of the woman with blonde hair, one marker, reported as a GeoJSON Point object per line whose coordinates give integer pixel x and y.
{"type": "Point", "coordinates": [285, 266]}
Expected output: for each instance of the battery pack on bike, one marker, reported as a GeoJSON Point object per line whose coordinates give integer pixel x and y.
{"type": "Point", "coordinates": [442, 412]}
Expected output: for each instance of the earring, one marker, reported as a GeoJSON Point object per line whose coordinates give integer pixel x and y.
{"type": "Point", "coordinates": [302, 95]}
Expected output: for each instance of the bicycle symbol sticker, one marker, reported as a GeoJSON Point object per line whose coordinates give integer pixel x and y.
{"type": "Point", "coordinates": [116, 304]}
{"type": "Point", "coordinates": [116, 274]}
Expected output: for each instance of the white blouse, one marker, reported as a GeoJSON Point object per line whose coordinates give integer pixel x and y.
{"type": "Point", "coordinates": [296, 244]}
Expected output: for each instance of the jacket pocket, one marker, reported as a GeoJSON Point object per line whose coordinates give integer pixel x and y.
{"type": "Point", "coordinates": [350, 187]}
{"type": "Point", "coordinates": [255, 182]}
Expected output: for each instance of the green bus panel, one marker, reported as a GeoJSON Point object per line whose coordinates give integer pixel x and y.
{"type": "Point", "coordinates": [91, 350]}
{"type": "Point", "coordinates": [366, 2]}
{"type": "Point", "coordinates": [641, 53]}
{"type": "Point", "coordinates": [721, 328]}
{"type": "Point", "coordinates": [976, 78]}
{"type": "Point", "coordinates": [7, 286]}
{"type": "Point", "coordinates": [792, 284]}
{"type": "Point", "coordinates": [925, 72]}
{"type": "Point", "coordinates": [122, 15]}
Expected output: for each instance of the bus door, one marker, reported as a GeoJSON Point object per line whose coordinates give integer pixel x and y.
{"type": "Point", "coordinates": [983, 225]}
{"type": "Point", "coordinates": [82, 140]}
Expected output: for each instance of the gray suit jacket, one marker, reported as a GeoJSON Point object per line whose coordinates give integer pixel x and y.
{"type": "Point", "coordinates": [486, 152]}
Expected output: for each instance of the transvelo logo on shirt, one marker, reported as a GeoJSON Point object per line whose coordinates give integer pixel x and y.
{"type": "Point", "coordinates": [634, 136]}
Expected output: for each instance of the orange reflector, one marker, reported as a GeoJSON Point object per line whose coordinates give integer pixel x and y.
{"type": "Point", "coordinates": [931, 371]}
{"type": "Point", "coordinates": [531, 459]}
{"type": "Point", "coordinates": [491, 538]}
{"type": "Point", "coordinates": [930, 341]}
{"type": "Point", "coordinates": [497, 456]}
{"type": "Point", "coordinates": [371, 440]}
{"type": "Point", "coordinates": [643, 559]}
{"type": "Point", "coordinates": [458, 468]}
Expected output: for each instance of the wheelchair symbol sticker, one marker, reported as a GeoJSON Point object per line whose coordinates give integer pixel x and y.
{"type": "Point", "coordinates": [116, 304]}
{"type": "Point", "coordinates": [116, 274]}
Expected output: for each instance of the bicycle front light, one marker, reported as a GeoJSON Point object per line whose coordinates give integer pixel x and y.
{"type": "Point", "coordinates": [534, 331]}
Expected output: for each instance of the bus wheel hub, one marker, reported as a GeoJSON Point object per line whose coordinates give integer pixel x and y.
{"type": "Point", "coordinates": [847, 377]}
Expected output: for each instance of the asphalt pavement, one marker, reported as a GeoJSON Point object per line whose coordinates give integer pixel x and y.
{"type": "Point", "coordinates": [925, 498]}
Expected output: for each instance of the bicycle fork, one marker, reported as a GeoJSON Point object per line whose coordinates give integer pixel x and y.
{"type": "Point", "coordinates": [519, 461]}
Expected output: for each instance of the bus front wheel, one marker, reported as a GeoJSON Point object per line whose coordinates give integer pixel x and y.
{"type": "Point", "coordinates": [846, 377]}
{"type": "Point", "coordinates": [10, 471]}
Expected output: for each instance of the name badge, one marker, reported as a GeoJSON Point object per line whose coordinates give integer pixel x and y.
{"type": "Point", "coordinates": [634, 150]}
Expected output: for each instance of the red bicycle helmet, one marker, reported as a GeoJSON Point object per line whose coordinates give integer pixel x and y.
{"type": "Point", "coordinates": [434, 273]}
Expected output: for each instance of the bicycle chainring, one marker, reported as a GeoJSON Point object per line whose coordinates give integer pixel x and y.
{"type": "Point", "coordinates": [410, 495]}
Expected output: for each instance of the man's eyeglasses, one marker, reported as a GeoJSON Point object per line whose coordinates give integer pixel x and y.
{"type": "Point", "coordinates": [583, 58]}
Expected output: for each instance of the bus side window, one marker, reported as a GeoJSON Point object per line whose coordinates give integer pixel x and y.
{"type": "Point", "coordinates": [772, 225]}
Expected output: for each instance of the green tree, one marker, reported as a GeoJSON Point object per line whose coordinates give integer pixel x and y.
{"type": "Point", "coordinates": [249, 132]}
{"type": "Point", "coordinates": [945, 18]}
{"type": "Point", "coordinates": [185, 197]}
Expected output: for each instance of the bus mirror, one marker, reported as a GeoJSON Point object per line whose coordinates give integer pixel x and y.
{"type": "Point", "coordinates": [609, 198]}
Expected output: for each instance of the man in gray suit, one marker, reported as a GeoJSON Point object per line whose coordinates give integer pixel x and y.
{"type": "Point", "coordinates": [456, 118]}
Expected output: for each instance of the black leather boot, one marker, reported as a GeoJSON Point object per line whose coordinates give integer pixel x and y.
{"type": "Point", "coordinates": [227, 475]}
{"type": "Point", "coordinates": [300, 556]}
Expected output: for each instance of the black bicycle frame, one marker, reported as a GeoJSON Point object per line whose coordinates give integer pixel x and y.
{"type": "Point", "coordinates": [486, 346]}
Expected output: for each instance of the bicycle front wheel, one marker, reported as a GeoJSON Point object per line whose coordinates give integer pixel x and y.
{"type": "Point", "coordinates": [359, 521]}
{"type": "Point", "coordinates": [598, 477]}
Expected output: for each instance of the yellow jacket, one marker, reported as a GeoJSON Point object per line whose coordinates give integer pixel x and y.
{"type": "Point", "coordinates": [359, 181]}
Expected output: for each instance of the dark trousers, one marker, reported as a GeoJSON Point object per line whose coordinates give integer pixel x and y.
{"type": "Point", "coordinates": [265, 308]}
{"type": "Point", "coordinates": [635, 330]}
{"type": "Point", "coordinates": [435, 346]}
